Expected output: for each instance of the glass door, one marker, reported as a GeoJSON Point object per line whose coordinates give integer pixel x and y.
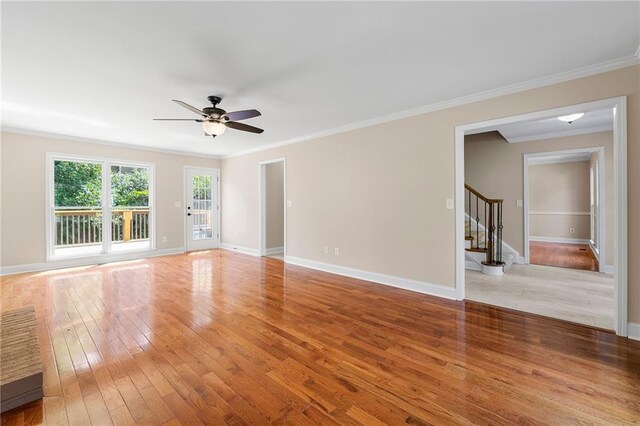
{"type": "Point", "coordinates": [130, 212]}
{"type": "Point", "coordinates": [98, 206]}
{"type": "Point", "coordinates": [201, 188]}
{"type": "Point", "coordinates": [77, 208]}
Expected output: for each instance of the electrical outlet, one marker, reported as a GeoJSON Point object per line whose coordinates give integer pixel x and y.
{"type": "Point", "coordinates": [518, 203]}
{"type": "Point", "coordinates": [336, 251]}
{"type": "Point", "coordinates": [164, 239]}
{"type": "Point", "coordinates": [572, 230]}
{"type": "Point", "coordinates": [326, 250]}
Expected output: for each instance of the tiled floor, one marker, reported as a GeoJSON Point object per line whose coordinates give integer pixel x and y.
{"type": "Point", "coordinates": [579, 296]}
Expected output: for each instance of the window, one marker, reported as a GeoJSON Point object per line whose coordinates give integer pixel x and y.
{"type": "Point", "coordinates": [98, 206]}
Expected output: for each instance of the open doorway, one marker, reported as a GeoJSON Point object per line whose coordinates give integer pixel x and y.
{"type": "Point", "coordinates": [272, 208]}
{"type": "Point", "coordinates": [565, 207]}
{"type": "Point", "coordinates": [494, 158]}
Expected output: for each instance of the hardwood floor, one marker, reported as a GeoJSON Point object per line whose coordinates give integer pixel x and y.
{"type": "Point", "coordinates": [218, 337]}
{"type": "Point", "coordinates": [574, 256]}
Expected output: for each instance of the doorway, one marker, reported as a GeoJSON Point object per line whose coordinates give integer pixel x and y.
{"type": "Point", "coordinates": [617, 106]}
{"type": "Point", "coordinates": [564, 209]}
{"type": "Point", "coordinates": [273, 208]}
{"type": "Point", "coordinates": [202, 208]}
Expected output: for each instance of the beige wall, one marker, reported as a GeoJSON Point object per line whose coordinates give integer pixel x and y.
{"type": "Point", "coordinates": [23, 191]}
{"type": "Point", "coordinates": [555, 191]}
{"type": "Point", "coordinates": [274, 200]}
{"type": "Point", "coordinates": [378, 193]}
{"type": "Point", "coordinates": [495, 167]}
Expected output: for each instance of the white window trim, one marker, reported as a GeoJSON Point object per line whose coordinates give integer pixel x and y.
{"type": "Point", "coordinates": [106, 205]}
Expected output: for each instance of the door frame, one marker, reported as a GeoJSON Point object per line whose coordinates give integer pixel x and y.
{"type": "Point", "coordinates": [262, 226]}
{"type": "Point", "coordinates": [601, 193]}
{"type": "Point", "coordinates": [184, 202]}
{"type": "Point", "coordinates": [619, 104]}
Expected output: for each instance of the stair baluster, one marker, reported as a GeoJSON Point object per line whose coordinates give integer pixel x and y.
{"type": "Point", "coordinates": [492, 225]}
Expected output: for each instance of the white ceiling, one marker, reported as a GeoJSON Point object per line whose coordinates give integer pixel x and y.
{"type": "Point", "coordinates": [591, 121]}
{"type": "Point", "coordinates": [103, 70]}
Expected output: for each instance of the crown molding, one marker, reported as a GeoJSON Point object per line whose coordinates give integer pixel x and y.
{"type": "Point", "coordinates": [562, 134]}
{"type": "Point", "coordinates": [52, 135]}
{"type": "Point", "coordinates": [587, 71]}
{"type": "Point", "coordinates": [561, 158]}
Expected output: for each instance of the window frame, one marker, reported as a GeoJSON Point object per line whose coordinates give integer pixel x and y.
{"type": "Point", "coordinates": [106, 164]}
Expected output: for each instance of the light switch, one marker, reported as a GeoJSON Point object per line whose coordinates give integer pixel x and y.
{"type": "Point", "coordinates": [518, 203]}
{"type": "Point", "coordinates": [449, 203]}
{"type": "Point", "coordinates": [289, 203]}
{"type": "Point", "coordinates": [178, 204]}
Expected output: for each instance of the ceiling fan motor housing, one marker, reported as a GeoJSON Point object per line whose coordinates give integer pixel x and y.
{"type": "Point", "coordinates": [213, 112]}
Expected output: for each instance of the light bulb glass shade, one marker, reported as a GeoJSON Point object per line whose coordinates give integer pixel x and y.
{"type": "Point", "coordinates": [213, 128]}
{"type": "Point", "coordinates": [571, 117]}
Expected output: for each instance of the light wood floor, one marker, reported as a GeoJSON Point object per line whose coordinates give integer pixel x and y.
{"type": "Point", "coordinates": [574, 256]}
{"type": "Point", "coordinates": [219, 337]}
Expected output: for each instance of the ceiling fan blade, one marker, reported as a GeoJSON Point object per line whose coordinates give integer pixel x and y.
{"type": "Point", "coordinates": [243, 127]}
{"type": "Point", "coordinates": [178, 119]}
{"type": "Point", "coordinates": [189, 107]}
{"type": "Point", "coordinates": [242, 115]}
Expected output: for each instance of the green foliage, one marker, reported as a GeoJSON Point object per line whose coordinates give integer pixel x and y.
{"type": "Point", "coordinates": [130, 188]}
{"type": "Point", "coordinates": [201, 187]}
{"type": "Point", "coordinates": [77, 184]}
{"type": "Point", "coordinates": [80, 185]}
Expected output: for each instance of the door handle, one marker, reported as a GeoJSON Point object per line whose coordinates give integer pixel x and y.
{"type": "Point", "coordinates": [188, 214]}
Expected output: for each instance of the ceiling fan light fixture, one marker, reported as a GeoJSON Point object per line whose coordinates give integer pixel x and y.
{"type": "Point", "coordinates": [213, 128]}
{"type": "Point", "coordinates": [571, 117]}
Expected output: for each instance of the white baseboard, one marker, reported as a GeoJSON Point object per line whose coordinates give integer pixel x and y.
{"type": "Point", "coordinates": [239, 249]}
{"type": "Point", "coordinates": [560, 240]}
{"type": "Point", "coordinates": [633, 330]}
{"type": "Point", "coordinates": [88, 260]}
{"type": "Point", "coordinates": [404, 283]}
{"type": "Point", "coordinates": [609, 269]}
{"type": "Point", "coordinates": [274, 250]}
{"type": "Point", "coordinates": [520, 260]}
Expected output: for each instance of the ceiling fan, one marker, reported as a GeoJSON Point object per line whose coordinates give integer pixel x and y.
{"type": "Point", "coordinates": [216, 120]}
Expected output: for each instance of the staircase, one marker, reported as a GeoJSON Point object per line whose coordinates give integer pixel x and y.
{"type": "Point", "coordinates": [483, 234]}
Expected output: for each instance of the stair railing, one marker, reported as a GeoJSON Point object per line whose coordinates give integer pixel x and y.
{"type": "Point", "coordinates": [484, 212]}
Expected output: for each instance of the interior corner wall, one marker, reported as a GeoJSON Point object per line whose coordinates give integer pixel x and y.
{"type": "Point", "coordinates": [23, 182]}
{"type": "Point", "coordinates": [495, 168]}
{"type": "Point", "coordinates": [559, 200]}
{"type": "Point", "coordinates": [378, 193]}
{"type": "Point", "coordinates": [274, 204]}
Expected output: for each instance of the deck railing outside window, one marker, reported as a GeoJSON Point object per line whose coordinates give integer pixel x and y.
{"type": "Point", "coordinates": [77, 226]}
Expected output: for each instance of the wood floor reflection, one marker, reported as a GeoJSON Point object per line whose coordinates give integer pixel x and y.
{"type": "Point", "coordinates": [218, 337]}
